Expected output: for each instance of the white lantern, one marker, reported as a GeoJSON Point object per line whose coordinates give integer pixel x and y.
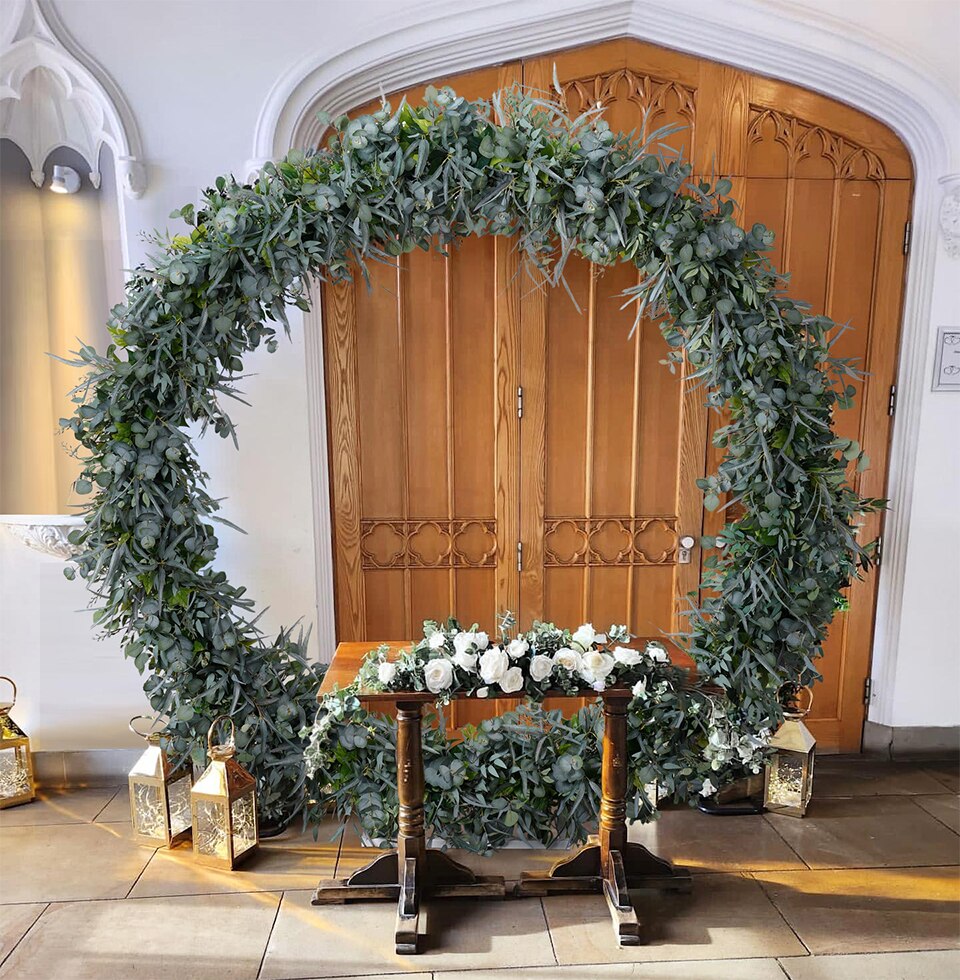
{"type": "Point", "coordinates": [159, 795]}
{"type": "Point", "coordinates": [16, 763]}
{"type": "Point", "coordinates": [224, 805]}
{"type": "Point", "coordinates": [788, 781]}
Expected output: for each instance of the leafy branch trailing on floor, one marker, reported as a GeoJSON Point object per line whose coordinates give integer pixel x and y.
{"type": "Point", "coordinates": [385, 184]}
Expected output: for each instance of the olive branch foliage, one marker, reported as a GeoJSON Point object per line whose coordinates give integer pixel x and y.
{"type": "Point", "coordinates": [421, 177]}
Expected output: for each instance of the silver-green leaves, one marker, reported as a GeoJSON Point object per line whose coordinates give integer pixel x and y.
{"type": "Point", "coordinates": [415, 177]}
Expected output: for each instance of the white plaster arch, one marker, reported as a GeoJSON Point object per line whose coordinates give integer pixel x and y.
{"type": "Point", "coordinates": [52, 94]}
{"type": "Point", "coordinates": [770, 37]}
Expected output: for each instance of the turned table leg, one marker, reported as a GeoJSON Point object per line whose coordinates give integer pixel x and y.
{"type": "Point", "coordinates": [411, 838]}
{"type": "Point", "coordinates": [410, 871]}
{"type": "Point", "coordinates": [610, 863]}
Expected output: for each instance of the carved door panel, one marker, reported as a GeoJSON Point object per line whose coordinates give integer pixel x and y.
{"type": "Point", "coordinates": [420, 373]}
{"type": "Point", "coordinates": [611, 445]}
{"type": "Point", "coordinates": [836, 188]}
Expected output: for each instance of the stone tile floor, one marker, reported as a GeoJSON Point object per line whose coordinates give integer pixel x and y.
{"type": "Point", "coordinates": [865, 887]}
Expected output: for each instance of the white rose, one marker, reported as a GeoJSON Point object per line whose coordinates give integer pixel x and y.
{"type": "Point", "coordinates": [464, 660]}
{"type": "Point", "coordinates": [386, 672]}
{"type": "Point", "coordinates": [567, 658]}
{"type": "Point", "coordinates": [626, 656]}
{"type": "Point", "coordinates": [640, 689]}
{"type": "Point", "coordinates": [595, 666]}
{"type": "Point", "coordinates": [541, 667]}
{"type": "Point", "coordinates": [462, 642]}
{"type": "Point", "coordinates": [493, 665]}
{"type": "Point", "coordinates": [511, 681]}
{"type": "Point", "coordinates": [585, 636]}
{"type": "Point", "coordinates": [437, 640]}
{"type": "Point", "coordinates": [482, 692]}
{"type": "Point", "coordinates": [517, 648]}
{"type": "Point", "coordinates": [438, 674]}
{"type": "Point", "coordinates": [657, 653]}
{"type": "Point", "coordinates": [482, 640]}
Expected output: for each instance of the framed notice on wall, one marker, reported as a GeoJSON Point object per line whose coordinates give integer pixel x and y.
{"type": "Point", "coordinates": [946, 368]}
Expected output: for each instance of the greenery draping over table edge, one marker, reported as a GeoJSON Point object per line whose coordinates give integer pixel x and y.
{"type": "Point", "coordinates": [385, 184]}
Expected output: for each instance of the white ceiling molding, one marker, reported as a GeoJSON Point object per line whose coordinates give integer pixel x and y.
{"type": "Point", "coordinates": [777, 38]}
{"type": "Point", "coordinates": [52, 94]}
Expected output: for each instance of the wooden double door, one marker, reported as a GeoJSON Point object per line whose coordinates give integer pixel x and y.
{"type": "Point", "coordinates": [496, 444]}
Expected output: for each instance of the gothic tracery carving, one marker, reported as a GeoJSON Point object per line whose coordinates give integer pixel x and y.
{"type": "Point", "coordinates": [652, 95]}
{"type": "Point", "coordinates": [429, 543]}
{"type": "Point", "coordinates": [803, 140]}
{"type": "Point", "coordinates": [579, 541]}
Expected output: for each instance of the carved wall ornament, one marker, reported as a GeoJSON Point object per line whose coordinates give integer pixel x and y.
{"type": "Point", "coordinates": [52, 94]}
{"type": "Point", "coordinates": [45, 534]}
{"type": "Point", "coordinates": [950, 214]}
{"type": "Point", "coordinates": [803, 140]}
{"type": "Point", "coordinates": [429, 543]}
{"type": "Point", "coordinates": [578, 541]}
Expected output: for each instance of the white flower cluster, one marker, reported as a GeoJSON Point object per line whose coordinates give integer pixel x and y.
{"type": "Point", "coordinates": [452, 659]}
{"type": "Point", "coordinates": [725, 744]}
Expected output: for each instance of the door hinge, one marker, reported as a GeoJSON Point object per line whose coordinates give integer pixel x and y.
{"type": "Point", "coordinates": [867, 689]}
{"type": "Point", "coordinates": [878, 551]}
{"type": "Point", "coordinates": [907, 229]}
{"type": "Point", "coordinates": [519, 556]}
{"type": "Point", "coordinates": [892, 400]}
{"type": "Point", "coordinates": [519, 403]}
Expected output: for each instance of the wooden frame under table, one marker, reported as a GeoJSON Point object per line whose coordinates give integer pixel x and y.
{"type": "Point", "coordinates": [607, 863]}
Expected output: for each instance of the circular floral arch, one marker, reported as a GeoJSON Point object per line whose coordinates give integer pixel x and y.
{"type": "Point", "coordinates": [385, 184]}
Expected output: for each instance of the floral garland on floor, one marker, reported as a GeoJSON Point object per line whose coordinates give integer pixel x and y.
{"type": "Point", "coordinates": [528, 775]}
{"type": "Point", "coordinates": [419, 177]}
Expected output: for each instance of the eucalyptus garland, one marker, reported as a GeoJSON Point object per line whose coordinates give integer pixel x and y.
{"type": "Point", "coordinates": [423, 177]}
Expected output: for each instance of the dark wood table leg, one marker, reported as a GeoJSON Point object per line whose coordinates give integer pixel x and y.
{"type": "Point", "coordinates": [610, 863]}
{"type": "Point", "coordinates": [411, 870]}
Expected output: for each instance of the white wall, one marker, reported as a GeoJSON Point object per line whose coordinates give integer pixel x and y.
{"type": "Point", "coordinates": [926, 688]}
{"type": "Point", "coordinates": [196, 73]}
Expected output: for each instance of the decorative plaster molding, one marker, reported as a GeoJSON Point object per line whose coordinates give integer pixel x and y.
{"type": "Point", "coordinates": [950, 214]}
{"type": "Point", "coordinates": [45, 533]}
{"type": "Point", "coordinates": [52, 94]}
{"type": "Point", "coordinates": [772, 37]}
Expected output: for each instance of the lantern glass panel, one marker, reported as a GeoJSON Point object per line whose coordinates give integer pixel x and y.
{"type": "Point", "coordinates": [179, 802]}
{"type": "Point", "coordinates": [244, 824]}
{"type": "Point", "coordinates": [210, 832]}
{"type": "Point", "coordinates": [151, 821]}
{"type": "Point", "coordinates": [14, 773]}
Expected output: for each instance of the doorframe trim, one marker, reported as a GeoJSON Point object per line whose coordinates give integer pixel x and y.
{"type": "Point", "coordinates": [777, 39]}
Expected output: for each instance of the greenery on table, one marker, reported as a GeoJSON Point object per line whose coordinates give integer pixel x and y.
{"type": "Point", "coordinates": [386, 184]}
{"type": "Point", "coordinates": [528, 775]}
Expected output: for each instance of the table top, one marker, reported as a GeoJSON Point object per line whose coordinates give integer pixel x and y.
{"type": "Point", "coordinates": [349, 656]}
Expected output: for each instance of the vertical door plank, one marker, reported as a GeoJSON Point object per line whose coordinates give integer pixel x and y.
{"type": "Point", "coordinates": [340, 358]}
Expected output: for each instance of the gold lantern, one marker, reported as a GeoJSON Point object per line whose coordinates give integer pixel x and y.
{"type": "Point", "coordinates": [16, 764]}
{"type": "Point", "coordinates": [788, 781]}
{"type": "Point", "coordinates": [159, 795]}
{"type": "Point", "coordinates": [224, 804]}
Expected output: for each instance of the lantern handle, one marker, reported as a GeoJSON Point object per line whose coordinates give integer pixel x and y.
{"type": "Point", "coordinates": [798, 687]}
{"type": "Point", "coordinates": [146, 736]}
{"type": "Point", "coordinates": [9, 680]}
{"type": "Point", "coordinates": [231, 742]}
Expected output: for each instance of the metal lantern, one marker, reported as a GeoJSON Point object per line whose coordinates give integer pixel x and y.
{"type": "Point", "coordinates": [16, 764]}
{"type": "Point", "coordinates": [159, 795]}
{"type": "Point", "coordinates": [788, 781]}
{"type": "Point", "coordinates": [224, 804]}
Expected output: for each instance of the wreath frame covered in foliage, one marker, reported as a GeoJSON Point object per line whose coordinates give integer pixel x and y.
{"type": "Point", "coordinates": [422, 177]}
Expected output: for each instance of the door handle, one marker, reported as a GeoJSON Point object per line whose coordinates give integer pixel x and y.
{"type": "Point", "coordinates": [685, 550]}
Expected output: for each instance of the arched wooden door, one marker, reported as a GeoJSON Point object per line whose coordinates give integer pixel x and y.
{"type": "Point", "coordinates": [448, 498]}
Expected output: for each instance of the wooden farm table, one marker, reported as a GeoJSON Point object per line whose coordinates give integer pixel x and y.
{"type": "Point", "coordinates": [607, 863]}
